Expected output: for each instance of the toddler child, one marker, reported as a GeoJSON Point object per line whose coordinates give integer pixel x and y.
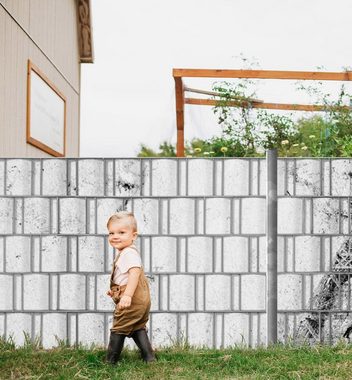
{"type": "Point", "coordinates": [129, 289]}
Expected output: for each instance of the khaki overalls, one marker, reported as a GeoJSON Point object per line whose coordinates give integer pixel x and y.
{"type": "Point", "coordinates": [135, 317]}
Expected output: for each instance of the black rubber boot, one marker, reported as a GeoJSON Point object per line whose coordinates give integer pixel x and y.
{"type": "Point", "coordinates": [141, 339]}
{"type": "Point", "coordinates": [115, 347]}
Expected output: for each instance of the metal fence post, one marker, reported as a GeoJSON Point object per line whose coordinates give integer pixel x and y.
{"type": "Point", "coordinates": [271, 244]}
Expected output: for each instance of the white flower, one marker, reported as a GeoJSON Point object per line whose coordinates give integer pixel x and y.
{"type": "Point", "coordinates": [295, 145]}
{"type": "Point", "coordinates": [284, 142]}
{"type": "Point", "coordinates": [206, 153]}
{"type": "Point", "coordinates": [312, 136]}
{"type": "Point", "coordinates": [304, 147]}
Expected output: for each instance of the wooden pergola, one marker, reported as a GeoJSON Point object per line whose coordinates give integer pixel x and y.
{"type": "Point", "coordinates": [181, 100]}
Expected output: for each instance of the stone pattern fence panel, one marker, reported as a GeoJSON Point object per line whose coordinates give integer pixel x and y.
{"type": "Point", "coordinates": [202, 241]}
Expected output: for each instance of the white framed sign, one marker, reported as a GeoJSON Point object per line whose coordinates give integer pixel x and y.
{"type": "Point", "coordinates": [46, 114]}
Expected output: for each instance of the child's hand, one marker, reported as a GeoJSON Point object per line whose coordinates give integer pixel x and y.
{"type": "Point", "coordinates": [109, 293]}
{"type": "Point", "coordinates": [125, 302]}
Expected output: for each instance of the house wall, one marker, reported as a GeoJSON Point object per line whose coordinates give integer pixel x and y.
{"type": "Point", "coordinates": [44, 32]}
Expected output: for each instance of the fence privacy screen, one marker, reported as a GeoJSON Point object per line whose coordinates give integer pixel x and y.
{"type": "Point", "coordinates": [202, 241]}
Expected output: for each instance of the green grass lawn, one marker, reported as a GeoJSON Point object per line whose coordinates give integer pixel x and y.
{"type": "Point", "coordinates": [277, 362]}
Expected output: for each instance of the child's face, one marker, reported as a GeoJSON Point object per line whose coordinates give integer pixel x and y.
{"type": "Point", "coordinates": [121, 234]}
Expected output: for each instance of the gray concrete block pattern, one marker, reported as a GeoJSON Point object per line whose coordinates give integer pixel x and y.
{"type": "Point", "coordinates": [202, 241]}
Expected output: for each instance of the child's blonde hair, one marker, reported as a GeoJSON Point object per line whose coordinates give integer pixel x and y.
{"type": "Point", "coordinates": [121, 215]}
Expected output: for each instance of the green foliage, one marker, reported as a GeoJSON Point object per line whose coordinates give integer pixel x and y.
{"type": "Point", "coordinates": [147, 152]}
{"type": "Point", "coordinates": [7, 344]}
{"type": "Point", "coordinates": [247, 132]}
{"type": "Point", "coordinates": [214, 147]}
{"type": "Point", "coordinates": [346, 146]}
{"type": "Point", "coordinates": [226, 147]}
{"type": "Point", "coordinates": [180, 361]}
{"type": "Point", "coordinates": [333, 129]}
{"type": "Point", "coordinates": [315, 133]}
{"type": "Point", "coordinates": [165, 150]}
{"type": "Point", "coordinates": [315, 136]}
{"type": "Point", "coordinates": [238, 125]}
{"type": "Point", "coordinates": [276, 131]}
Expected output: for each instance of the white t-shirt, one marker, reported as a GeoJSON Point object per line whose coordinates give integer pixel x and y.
{"type": "Point", "coordinates": [129, 258]}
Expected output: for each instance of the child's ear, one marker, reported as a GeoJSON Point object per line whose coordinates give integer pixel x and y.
{"type": "Point", "coordinates": [135, 235]}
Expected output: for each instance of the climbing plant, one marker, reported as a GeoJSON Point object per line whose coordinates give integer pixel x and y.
{"type": "Point", "coordinates": [246, 131]}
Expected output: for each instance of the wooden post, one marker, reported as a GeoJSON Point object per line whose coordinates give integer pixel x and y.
{"type": "Point", "coordinates": [180, 118]}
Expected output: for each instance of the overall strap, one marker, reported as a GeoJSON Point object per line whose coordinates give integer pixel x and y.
{"type": "Point", "coordinates": [114, 264]}
{"type": "Point", "coordinates": [118, 256]}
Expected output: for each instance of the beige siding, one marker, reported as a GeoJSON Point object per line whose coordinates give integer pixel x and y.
{"type": "Point", "coordinates": [59, 64]}
{"type": "Point", "coordinates": [19, 9]}
{"type": "Point", "coordinates": [52, 24]}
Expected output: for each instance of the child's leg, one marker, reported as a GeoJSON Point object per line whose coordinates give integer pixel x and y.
{"type": "Point", "coordinates": [115, 347]}
{"type": "Point", "coordinates": [141, 339]}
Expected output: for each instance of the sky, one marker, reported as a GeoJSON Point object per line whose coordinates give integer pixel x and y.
{"type": "Point", "coordinates": [128, 96]}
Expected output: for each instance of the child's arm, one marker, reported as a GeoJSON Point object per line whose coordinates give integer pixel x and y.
{"type": "Point", "coordinates": [133, 276]}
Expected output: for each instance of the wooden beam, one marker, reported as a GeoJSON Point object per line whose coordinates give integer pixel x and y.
{"type": "Point", "coordinates": [269, 106]}
{"type": "Point", "coordinates": [180, 118]}
{"type": "Point", "coordinates": [262, 74]}
{"type": "Point", "coordinates": [213, 93]}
